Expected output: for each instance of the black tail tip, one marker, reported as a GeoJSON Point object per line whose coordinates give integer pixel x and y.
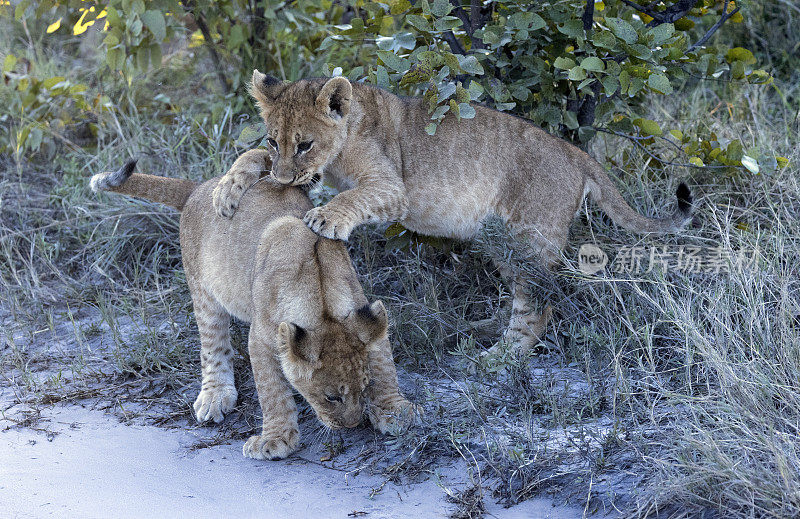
{"type": "Point", "coordinates": [684, 198]}
{"type": "Point", "coordinates": [126, 171]}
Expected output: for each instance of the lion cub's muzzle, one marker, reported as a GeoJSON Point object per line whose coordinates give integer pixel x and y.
{"type": "Point", "coordinates": [297, 179]}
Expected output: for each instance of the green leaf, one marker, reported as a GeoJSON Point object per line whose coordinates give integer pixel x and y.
{"type": "Point", "coordinates": [593, 63]}
{"type": "Point", "coordinates": [445, 91]}
{"type": "Point", "coordinates": [537, 22]}
{"type": "Point", "coordinates": [19, 10]}
{"type": "Point", "coordinates": [647, 126]}
{"type": "Point", "coordinates": [447, 23]}
{"type": "Point", "coordinates": [466, 110]}
{"type": "Point", "coordinates": [430, 128]}
{"type": "Point", "coordinates": [137, 6]}
{"type": "Point", "coordinates": [155, 55]}
{"type": "Point", "coordinates": [393, 61]}
{"type": "Point", "coordinates": [624, 81]}
{"type": "Point", "coordinates": [51, 82]}
{"type": "Point", "coordinates": [470, 65]}
{"type": "Point", "coordinates": [564, 63]}
{"type": "Point", "coordinates": [576, 74]}
{"type": "Point", "coordinates": [737, 70]}
{"type": "Point", "coordinates": [622, 30]}
{"type": "Point", "coordinates": [740, 54]}
{"type": "Point", "coordinates": [572, 28]}
{"type": "Point", "coordinates": [9, 63]}
{"type": "Point", "coordinates": [419, 22]}
{"type": "Point", "coordinates": [399, 6]}
{"type": "Point", "coordinates": [570, 120]}
{"type": "Point", "coordinates": [734, 151]}
{"type": "Point", "coordinates": [585, 133]}
{"type": "Point", "coordinates": [441, 8]}
{"type": "Point", "coordinates": [750, 163]}
{"type": "Point", "coordinates": [142, 58]}
{"type": "Point", "coordinates": [475, 90]}
{"type": "Point", "coordinates": [605, 39]}
{"type": "Point", "coordinates": [697, 161]}
{"type": "Point", "coordinates": [405, 40]}
{"type": "Point", "coordinates": [236, 37]}
{"type": "Point", "coordinates": [610, 85]}
{"type": "Point", "coordinates": [640, 51]}
{"type": "Point", "coordinates": [381, 77]}
{"type": "Point", "coordinates": [136, 26]}
{"type": "Point", "coordinates": [393, 230]}
{"type": "Point", "coordinates": [661, 33]}
{"type": "Point", "coordinates": [659, 83]}
{"type": "Point", "coordinates": [154, 21]}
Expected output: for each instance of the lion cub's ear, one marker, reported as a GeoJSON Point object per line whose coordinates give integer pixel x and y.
{"type": "Point", "coordinates": [334, 98]}
{"type": "Point", "coordinates": [371, 322]}
{"type": "Point", "coordinates": [294, 345]}
{"type": "Point", "coordinates": [265, 88]}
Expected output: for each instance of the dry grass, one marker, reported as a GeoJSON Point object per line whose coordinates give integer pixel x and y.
{"type": "Point", "coordinates": [661, 393]}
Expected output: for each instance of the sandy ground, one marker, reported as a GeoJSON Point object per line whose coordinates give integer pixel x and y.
{"type": "Point", "coordinates": [96, 467]}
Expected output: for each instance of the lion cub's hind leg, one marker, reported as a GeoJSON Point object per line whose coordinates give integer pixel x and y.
{"type": "Point", "coordinates": [218, 391]}
{"type": "Point", "coordinates": [280, 435]}
{"type": "Point", "coordinates": [527, 323]}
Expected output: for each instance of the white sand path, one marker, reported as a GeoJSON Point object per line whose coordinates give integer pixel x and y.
{"type": "Point", "coordinates": [97, 467]}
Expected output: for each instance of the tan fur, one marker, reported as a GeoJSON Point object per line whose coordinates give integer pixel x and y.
{"type": "Point", "coordinates": [312, 328]}
{"type": "Point", "coordinates": [372, 146]}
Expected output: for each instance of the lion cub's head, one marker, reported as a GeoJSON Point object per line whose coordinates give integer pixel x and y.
{"type": "Point", "coordinates": [306, 123]}
{"type": "Point", "coordinates": [329, 365]}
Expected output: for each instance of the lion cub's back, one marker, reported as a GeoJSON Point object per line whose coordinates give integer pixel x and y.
{"type": "Point", "coordinates": [219, 253]}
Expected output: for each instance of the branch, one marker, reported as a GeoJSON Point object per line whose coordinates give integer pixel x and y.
{"type": "Point", "coordinates": [588, 18]}
{"type": "Point", "coordinates": [471, 22]}
{"type": "Point", "coordinates": [713, 29]}
{"type": "Point", "coordinates": [455, 45]}
{"type": "Point", "coordinates": [589, 104]}
{"type": "Point", "coordinates": [201, 24]}
{"type": "Point", "coordinates": [462, 15]}
{"type": "Point", "coordinates": [635, 140]}
{"type": "Point", "coordinates": [672, 13]}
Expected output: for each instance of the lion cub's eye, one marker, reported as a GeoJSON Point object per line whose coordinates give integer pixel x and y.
{"type": "Point", "coordinates": [330, 398]}
{"type": "Point", "coordinates": [272, 142]}
{"type": "Point", "coordinates": [304, 146]}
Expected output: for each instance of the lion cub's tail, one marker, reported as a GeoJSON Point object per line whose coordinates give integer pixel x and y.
{"type": "Point", "coordinates": [611, 202]}
{"type": "Point", "coordinates": [169, 191]}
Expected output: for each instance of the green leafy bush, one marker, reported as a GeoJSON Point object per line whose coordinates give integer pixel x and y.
{"type": "Point", "coordinates": [572, 67]}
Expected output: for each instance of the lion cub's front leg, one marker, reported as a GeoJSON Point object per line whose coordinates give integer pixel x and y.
{"type": "Point", "coordinates": [280, 435]}
{"type": "Point", "coordinates": [379, 196]}
{"type": "Point", "coordinates": [388, 411]}
{"type": "Point", "coordinates": [248, 168]}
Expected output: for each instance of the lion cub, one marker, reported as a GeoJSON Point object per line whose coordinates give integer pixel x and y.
{"type": "Point", "coordinates": [311, 325]}
{"type": "Point", "coordinates": [372, 146]}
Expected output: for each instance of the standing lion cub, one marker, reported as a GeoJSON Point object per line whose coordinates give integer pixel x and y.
{"type": "Point", "coordinates": [372, 146]}
{"type": "Point", "coordinates": [311, 325]}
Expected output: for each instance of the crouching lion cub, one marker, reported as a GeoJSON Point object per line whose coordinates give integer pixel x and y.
{"type": "Point", "coordinates": [311, 325]}
{"type": "Point", "coordinates": [372, 146]}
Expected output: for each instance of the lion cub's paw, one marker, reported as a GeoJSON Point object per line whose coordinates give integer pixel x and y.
{"type": "Point", "coordinates": [227, 195]}
{"type": "Point", "coordinates": [400, 416]}
{"type": "Point", "coordinates": [328, 223]}
{"type": "Point", "coordinates": [212, 404]}
{"type": "Point", "coordinates": [272, 447]}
